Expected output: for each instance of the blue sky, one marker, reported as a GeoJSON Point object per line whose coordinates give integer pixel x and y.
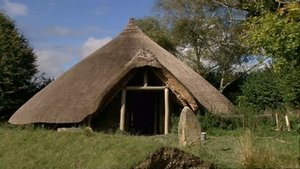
{"type": "Point", "coordinates": [62, 32]}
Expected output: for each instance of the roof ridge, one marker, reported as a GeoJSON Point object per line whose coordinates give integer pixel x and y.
{"type": "Point", "coordinates": [132, 26]}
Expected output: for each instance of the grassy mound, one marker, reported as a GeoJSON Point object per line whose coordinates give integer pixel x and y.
{"type": "Point", "coordinates": [40, 148]}
{"type": "Point", "coordinates": [50, 149]}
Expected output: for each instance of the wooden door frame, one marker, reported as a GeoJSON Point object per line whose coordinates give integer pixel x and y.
{"type": "Point", "coordinates": [145, 87]}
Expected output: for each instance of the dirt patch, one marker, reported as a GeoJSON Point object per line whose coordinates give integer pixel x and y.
{"type": "Point", "coordinates": [173, 158]}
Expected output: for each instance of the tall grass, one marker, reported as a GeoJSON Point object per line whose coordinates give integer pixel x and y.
{"type": "Point", "coordinates": [252, 156]}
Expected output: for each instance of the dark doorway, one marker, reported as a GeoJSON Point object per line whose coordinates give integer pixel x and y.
{"type": "Point", "coordinates": [143, 111]}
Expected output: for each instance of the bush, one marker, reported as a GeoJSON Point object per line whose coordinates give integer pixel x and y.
{"type": "Point", "coordinates": [260, 90]}
{"type": "Point", "coordinates": [88, 131]}
{"type": "Point", "coordinates": [270, 89]}
{"type": "Point", "coordinates": [208, 121]}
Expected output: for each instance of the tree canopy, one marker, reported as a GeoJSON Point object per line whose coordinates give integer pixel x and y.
{"type": "Point", "coordinates": [274, 33]}
{"type": "Point", "coordinates": [229, 41]}
{"type": "Point", "coordinates": [204, 34]}
{"type": "Point", "coordinates": [158, 32]}
{"type": "Point", "coordinates": [17, 68]}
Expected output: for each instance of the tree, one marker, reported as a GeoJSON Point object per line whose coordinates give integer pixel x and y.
{"type": "Point", "coordinates": [218, 38]}
{"type": "Point", "coordinates": [277, 34]}
{"type": "Point", "coordinates": [204, 34]}
{"type": "Point", "coordinates": [153, 28]}
{"type": "Point", "coordinates": [252, 7]}
{"type": "Point", "coordinates": [274, 33]}
{"type": "Point", "coordinates": [17, 68]}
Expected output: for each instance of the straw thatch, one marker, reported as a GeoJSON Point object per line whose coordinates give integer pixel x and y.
{"type": "Point", "coordinates": [90, 84]}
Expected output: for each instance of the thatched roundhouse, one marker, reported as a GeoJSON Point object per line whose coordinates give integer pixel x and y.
{"type": "Point", "coordinates": [131, 83]}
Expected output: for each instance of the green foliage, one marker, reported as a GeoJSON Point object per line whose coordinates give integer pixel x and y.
{"type": "Point", "coordinates": [210, 121]}
{"type": "Point", "coordinates": [277, 35]}
{"type": "Point", "coordinates": [266, 89]}
{"type": "Point", "coordinates": [295, 124]}
{"type": "Point", "coordinates": [260, 90]}
{"type": "Point", "coordinates": [157, 32]}
{"type": "Point", "coordinates": [258, 7]}
{"type": "Point", "coordinates": [276, 32]}
{"type": "Point", "coordinates": [17, 69]}
{"type": "Point", "coordinates": [290, 86]}
{"type": "Point", "coordinates": [291, 11]}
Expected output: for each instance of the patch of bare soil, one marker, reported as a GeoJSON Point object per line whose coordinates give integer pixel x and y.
{"type": "Point", "coordinates": [173, 158]}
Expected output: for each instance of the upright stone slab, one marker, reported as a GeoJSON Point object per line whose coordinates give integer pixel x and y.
{"type": "Point", "coordinates": [188, 128]}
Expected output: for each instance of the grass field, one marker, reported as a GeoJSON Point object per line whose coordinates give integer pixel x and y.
{"type": "Point", "coordinates": [40, 148]}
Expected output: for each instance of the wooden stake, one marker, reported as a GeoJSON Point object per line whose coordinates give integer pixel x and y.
{"type": "Point", "coordinates": [277, 122]}
{"type": "Point", "coordinates": [166, 110]}
{"type": "Point", "coordinates": [287, 122]}
{"type": "Point", "coordinates": [122, 111]}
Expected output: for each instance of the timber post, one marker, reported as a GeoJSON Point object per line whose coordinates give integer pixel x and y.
{"type": "Point", "coordinates": [122, 111]}
{"type": "Point", "coordinates": [167, 110]}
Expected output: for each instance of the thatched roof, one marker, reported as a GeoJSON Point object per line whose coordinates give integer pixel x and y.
{"type": "Point", "coordinates": [84, 88]}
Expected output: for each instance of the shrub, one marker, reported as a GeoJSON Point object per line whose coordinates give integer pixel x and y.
{"type": "Point", "coordinates": [270, 89]}
{"type": "Point", "coordinates": [208, 121]}
{"type": "Point", "coordinates": [88, 131]}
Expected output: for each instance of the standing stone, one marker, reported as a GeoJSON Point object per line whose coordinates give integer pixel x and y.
{"type": "Point", "coordinates": [188, 128]}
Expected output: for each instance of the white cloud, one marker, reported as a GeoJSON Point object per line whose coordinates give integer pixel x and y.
{"type": "Point", "coordinates": [65, 31]}
{"type": "Point", "coordinates": [60, 31]}
{"type": "Point", "coordinates": [14, 8]}
{"type": "Point", "coordinates": [53, 60]}
{"type": "Point", "coordinates": [92, 44]}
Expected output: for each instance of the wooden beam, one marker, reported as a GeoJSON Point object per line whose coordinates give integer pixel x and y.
{"type": "Point", "coordinates": [166, 111]}
{"type": "Point", "coordinates": [122, 111]}
{"type": "Point", "coordinates": [145, 87]}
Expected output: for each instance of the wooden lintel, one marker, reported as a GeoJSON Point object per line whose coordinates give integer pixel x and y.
{"type": "Point", "coordinates": [145, 87]}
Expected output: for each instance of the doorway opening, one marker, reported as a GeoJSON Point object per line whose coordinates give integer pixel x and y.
{"type": "Point", "coordinates": [144, 112]}
{"type": "Point", "coordinates": [145, 105]}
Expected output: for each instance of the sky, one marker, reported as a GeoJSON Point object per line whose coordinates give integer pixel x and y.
{"type": "Point", "coordinates": [63, 32]}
